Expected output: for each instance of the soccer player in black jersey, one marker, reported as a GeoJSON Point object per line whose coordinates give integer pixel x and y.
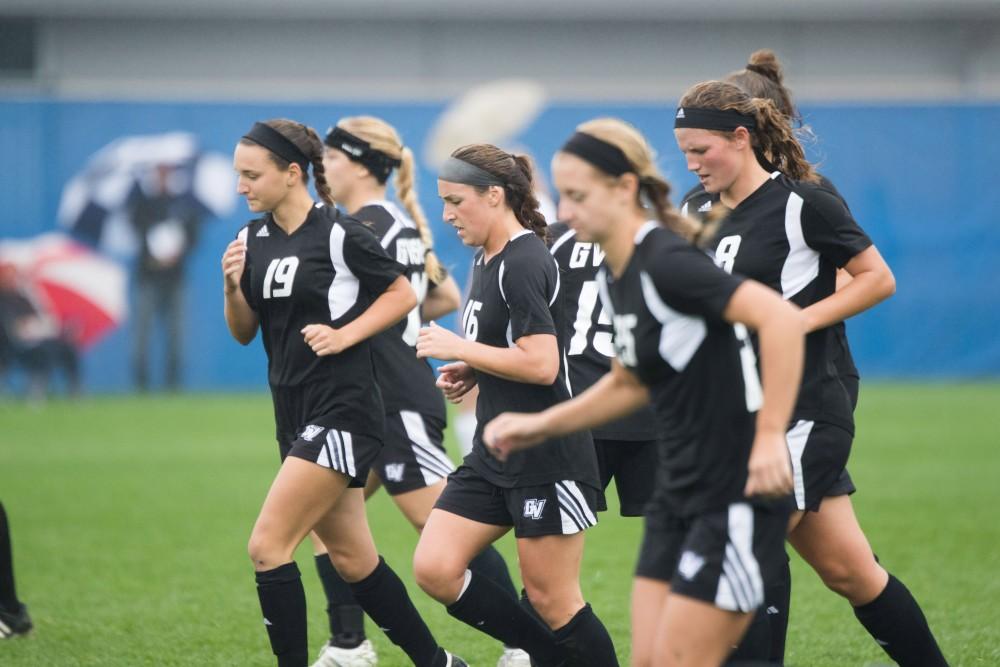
{"type": "Point", "coordinates": [763, 77]}
{"type": "Point", "coordinates": [318, 285]}
{"type": "Point", "coordinates": [626, 449]}
{"type": "Point", "coordinates": [789, 232]}
{"type": "Point", "coordinates": [361, 153]}
{"type": "Point", "coordinates": [712, 540]}
{"type": "Point", "coordinates": [511, 349]}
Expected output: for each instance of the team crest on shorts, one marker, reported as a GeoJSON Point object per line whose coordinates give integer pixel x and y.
{"type": "Point", "coordinates": [310, 432]}
{"type": "Point", "coordinates": [690, 564]}
{"type": "Point", "coordinates": [394, 471]}
{"type": "Point", "coordinates": [533, 508]}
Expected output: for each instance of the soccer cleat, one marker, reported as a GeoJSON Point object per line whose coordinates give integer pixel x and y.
{"type": "Point", "coordinates": [454, 661]}
{"type": "Point", "coordinates": [362, 655]}
{"type": "Point", "coordinates": [14, 623]}
{"type": "Point", "coordinates": [514, 657]}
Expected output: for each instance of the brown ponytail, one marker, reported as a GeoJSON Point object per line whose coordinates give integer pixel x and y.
{"type": "Point", "coordinates": [654, 190]}
{"type": "Point", "coordinates": [515, 172]}
{"type": "Point", "coordinates": [307, 141]}
{"type": "Point", "coordinates": [773, 137]}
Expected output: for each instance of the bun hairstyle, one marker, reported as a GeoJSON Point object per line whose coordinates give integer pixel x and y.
{"type": "Point", "coordinates": [654, 190]}
{"type": "Point", "coordinates": [309, 145]}
{"type": "Point", "coordinates": [773, 136]}
{"type": "Point", "coordinates": [382, 137]}
{"type": "Point", "coordinates": [514, 172]}
{"type": "Point", "coordinates": [764, 77]}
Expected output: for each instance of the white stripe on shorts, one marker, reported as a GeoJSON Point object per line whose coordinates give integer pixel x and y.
{"type": "Point", "coordinates": [573, 510]}
{"type": "Point", "coordinates": [796, 438]}
{"type": "Point", "coordinates": [434, 464]}
{"type": "Point", "coordinates": [741, 587]}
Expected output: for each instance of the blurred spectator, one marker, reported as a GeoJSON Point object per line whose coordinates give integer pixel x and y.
{"type": "Point", "coordinates": [166, 220]}
{"type": "Point", "coordinates": [31, 339]}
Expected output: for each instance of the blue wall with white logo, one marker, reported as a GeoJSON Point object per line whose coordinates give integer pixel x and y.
{"type": "Point", "coordinates": [919, 178]}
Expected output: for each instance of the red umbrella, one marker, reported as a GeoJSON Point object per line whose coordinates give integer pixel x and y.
{"type": "Point", "coordinates": [85, 292]}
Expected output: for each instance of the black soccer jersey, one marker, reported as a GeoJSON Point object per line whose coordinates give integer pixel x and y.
{"type": "Point", "coordinates": [701, 371]}
{"type": "Point", "coordinates": [698, 204]}
{"type": "Point", "coordinates": [588, 332]}
{"type": "Point", "coordinates": [792, 236]}
{"type": "Point", "coordinates": [328, 271]}
{"type": "Point", "coordinates": [514, 295]}
{"type": "Point", "coordinates": [407, 383]}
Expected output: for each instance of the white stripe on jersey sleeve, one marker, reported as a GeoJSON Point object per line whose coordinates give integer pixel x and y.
{"type": "Point", "coordinates": [680, 335]}
{"type": "Point", "coordinates": [343, 291]}
{"type": "Point", "coordinates": [802, 264]}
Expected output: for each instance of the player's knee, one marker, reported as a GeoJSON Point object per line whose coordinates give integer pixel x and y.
{"type": "Point", "coordinates": [350, 565]}
{"type": "Point", "coordinates": [441, 578]}
{"type": "Point", "coordinates": [265, 553]}
{"type": "Point", "coordinates": [853, 581]}
{"type": "Point", "coordinates": [555, 607]}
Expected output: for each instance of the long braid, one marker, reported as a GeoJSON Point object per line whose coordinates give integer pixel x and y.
{"type": "Point", "coordinates": [405, 191]}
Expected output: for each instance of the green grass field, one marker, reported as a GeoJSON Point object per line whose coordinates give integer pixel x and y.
{"type": "Point", "coordinates": [130, 518]}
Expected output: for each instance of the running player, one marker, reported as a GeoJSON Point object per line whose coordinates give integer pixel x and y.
{"type": "Point", "coordinates": [318, 285]}
{"type": "Point", "coordinates": [14, 618]}
{"type": "Point", "coordinates": [512, 350]}
{"type": "Point", "coordinates": [763, 77]}
{"type": "Point", "coordinates": [711, 540]}
{"type": "Point", "coordinates": [626, 449]}
{"type": "Point", "coordinates": [792, 234]}
{"type": "Point", "coordinates": [361, 154]}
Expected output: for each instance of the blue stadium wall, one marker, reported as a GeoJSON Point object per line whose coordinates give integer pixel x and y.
{"type": "Point", "coordinates": [919, 178]}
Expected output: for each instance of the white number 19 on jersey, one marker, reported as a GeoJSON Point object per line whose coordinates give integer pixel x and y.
{"type": "Point", "coordinates": [280, 276]}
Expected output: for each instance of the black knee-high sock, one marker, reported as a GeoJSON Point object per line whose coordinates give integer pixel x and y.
{"type": "Point", "coordinates": [8, 594]}
{"type": "Point", "coordinates": [283, 603]}
{"type": "Point", "coordinates": [895, 621]}
{"type": "Point", "coordinates": [347, 618]}
{"type": "Point", "coordinates": [586, 641]}
{"type": "Point", "coordinates": [384, 598]}
{"type": "Point", "coordinates": [755, 647]}
{"type": "Point", "coordinates": [487, 608]}
{"type": "Point", "coordinates": [490, 564]}
{"type": "Point", "coordinates": [778, 604]}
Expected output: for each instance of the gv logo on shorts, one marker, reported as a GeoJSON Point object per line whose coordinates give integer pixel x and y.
{"type": "Point", "coordinates": [310, 432]}
{"type": "Point", "coordinates": [690, 564]}
{"type": "Point", "coordinates": [533, 508]}
{"type": "Point", "coordinates": [394, 471]}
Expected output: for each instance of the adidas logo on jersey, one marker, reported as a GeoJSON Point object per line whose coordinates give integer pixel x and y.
{"type": "Point", "coordinates": [680, 113]}
{"type": "Point", "coordinates": [533, 508]}
{"type": "Point", "coordinates": [706, 207]}
{"type": "Point", "coordinates": [310, 432]}
{"type": "Point", "coordinates": [263, 232]}
{"type": "Point", "coordinates": [690, 564]}
{"type": "Point", "coordinates": [394, 471]}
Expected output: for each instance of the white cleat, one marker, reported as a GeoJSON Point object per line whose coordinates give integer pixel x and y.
{"type": "Point", "coordinates": [514, 657]}
{"type": "Point", "coordinates": [362, 655]}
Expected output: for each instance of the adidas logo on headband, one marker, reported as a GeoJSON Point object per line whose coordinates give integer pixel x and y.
{"type": "Point", "coordinates": [680, 113]}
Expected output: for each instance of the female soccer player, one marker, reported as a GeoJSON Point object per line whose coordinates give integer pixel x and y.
{"type": "Point", "coordinates": [711, 542]}
{"type": "Point", "coordinates": [789, 232]}
{"type": "Point", "coordinates": [318, 285]}
{"type": "Point", "coordinates": [627, 448]}
{"type": "Point", "coordinates": [763, 77]}
{"type": "Point", "coordinates": [361, 153]}
{"type": "Point", "coordinates": [511, 349]}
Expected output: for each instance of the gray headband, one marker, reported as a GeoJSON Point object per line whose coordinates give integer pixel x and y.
{"type": "Point", "coordinates": [459, 171]}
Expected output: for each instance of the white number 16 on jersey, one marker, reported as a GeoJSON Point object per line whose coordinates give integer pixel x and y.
{"type": "Point", "coordinates": [280, 274]}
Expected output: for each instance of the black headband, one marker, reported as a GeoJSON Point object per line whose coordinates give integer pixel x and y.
{"type": "Point", "coordinates": [267, 137]}
{"type": "Point", "coordinates": [607, 157]}
{"type": "Point", "coordinates": [459, 171]}
{"type": "Point", "coordinates": [713, 119]}
{"type": "Point", "coordinates": [358, 150]}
